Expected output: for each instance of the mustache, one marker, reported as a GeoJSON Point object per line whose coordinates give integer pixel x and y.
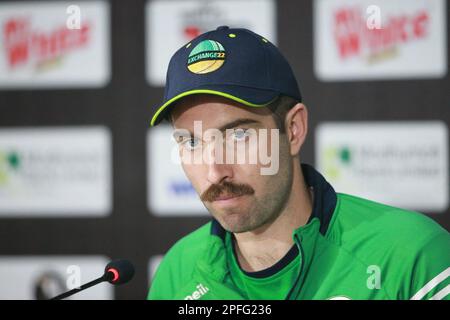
{"type": "Point", "coordinates": [231, 189]}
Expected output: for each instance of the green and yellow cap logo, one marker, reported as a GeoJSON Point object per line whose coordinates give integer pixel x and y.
{"type": "Point", "coordinates": [207, 56]}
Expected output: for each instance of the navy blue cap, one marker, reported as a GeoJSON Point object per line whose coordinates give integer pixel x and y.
{"type": "Point", "coordinates": [233, 63]}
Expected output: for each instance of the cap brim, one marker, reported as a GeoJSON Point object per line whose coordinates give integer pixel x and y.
{"type": "Point", "coordinates": [250, 97]}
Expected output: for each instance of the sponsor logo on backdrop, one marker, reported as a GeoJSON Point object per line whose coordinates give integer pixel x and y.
{"type": "Point", "coordinates": [41, 278]}
{"type": "Point", "coordinates": [24, 45]}
{"type": "Point", "coordinates": [169, 192]}
{"type": "Point", "coordinates": [190, 18]}
{"type": "Point", "coordinates": [404, 164]}
{"type": "Point", "coordinates": [48, 284]}
{"type": "Point", "coordinates": [357, 39]}
{"type": "Point", "coordinates": [55, 171]}
{"type": "Point", "coordinates": [38, 49]}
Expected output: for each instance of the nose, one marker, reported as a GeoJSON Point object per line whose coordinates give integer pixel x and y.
{"type": "Point", "coordinates": [218, 169]}
{"type": "Point", "coordinates": [219, 172]}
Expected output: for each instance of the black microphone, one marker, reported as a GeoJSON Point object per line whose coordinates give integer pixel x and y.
{"type": "Point", "coordinates": [116, 272]}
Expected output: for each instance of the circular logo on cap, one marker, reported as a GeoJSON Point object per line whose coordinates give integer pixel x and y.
{"type": "Point", "coordinates": [207, 56]}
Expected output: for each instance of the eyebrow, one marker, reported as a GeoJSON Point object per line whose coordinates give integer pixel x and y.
{"type": "Point", "coordinates": [238, 122]}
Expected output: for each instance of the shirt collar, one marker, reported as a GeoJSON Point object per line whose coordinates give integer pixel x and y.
{"type": "Point", "coordinates": [213, 264]}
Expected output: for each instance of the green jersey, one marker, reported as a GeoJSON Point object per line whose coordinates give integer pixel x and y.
{"type": "Point", "coordinates": [351, 248]}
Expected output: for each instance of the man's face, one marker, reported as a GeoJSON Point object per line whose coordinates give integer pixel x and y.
{"type": "Point", "coordinates": [235, 192]}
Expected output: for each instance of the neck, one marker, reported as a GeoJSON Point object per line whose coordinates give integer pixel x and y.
{"type": "Point", "coordinates": [261, 248]}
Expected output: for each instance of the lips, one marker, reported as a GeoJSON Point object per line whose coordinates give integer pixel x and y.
{"type": "Point", "coordinates": [225, 197]}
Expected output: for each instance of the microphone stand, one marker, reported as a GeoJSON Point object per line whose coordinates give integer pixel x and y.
{"type": "Point", "coordinates": [103, 278]}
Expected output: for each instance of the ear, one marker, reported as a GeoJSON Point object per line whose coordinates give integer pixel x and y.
{"type": "Point", "coordinates": [296, 124]}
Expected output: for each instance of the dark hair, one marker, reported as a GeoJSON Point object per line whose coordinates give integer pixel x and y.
{"type": "Point", "coordinates": [280, 108]}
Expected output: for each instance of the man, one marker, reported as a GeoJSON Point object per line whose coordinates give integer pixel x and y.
{"type": "Point", "coordinates": [282, 233]}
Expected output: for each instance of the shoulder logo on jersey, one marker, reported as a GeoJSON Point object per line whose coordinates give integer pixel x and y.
{"type": "Point", "coordinates": [339, 298]}
{"type": "Point", "coordinates": [197, 294]}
